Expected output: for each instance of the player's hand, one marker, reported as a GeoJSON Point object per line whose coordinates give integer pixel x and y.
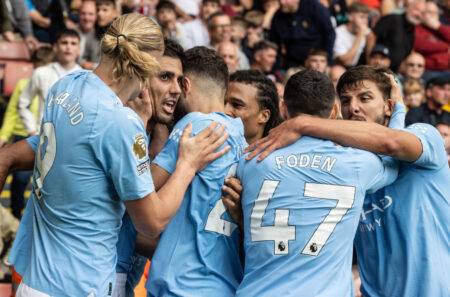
{"type": "Point", "coordinates": [200, 150]}
{"type": "Point", "coordinates": [283, 135]}
{"type": "Point", "coordinates": [143, 106]}
{"type": "Point", "coordinates": [231, 191]}
{"type": "Point", "coordinates": [396, 90]}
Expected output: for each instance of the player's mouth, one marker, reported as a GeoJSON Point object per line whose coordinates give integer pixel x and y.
{"type": "Point", "coordinates": [356, 118]}
{"type": "Point", "coordinates": [169, 105]}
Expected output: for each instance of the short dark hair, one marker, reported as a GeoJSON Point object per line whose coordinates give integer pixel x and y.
{"type": "Point", "coordinates": [164, 4]}
{"type": "Point", "coordinates": [354, 77]}
{"type": "Point", "coordinates": [357, 7]}
{"type": "Point", "coordinates": [318, 52]}
{"type": "Point", "coordinates": [42, 56]}
{"type": "Point", "coordinates": [105, 2]}
{"type": "Point", "coordinates": [264, 44]}
{"type": "Point", "coordinates": [267, 95]}
{"type": "Point", "coordinates": [206, 63]}
{"type": "Point", "coordinates": [173, 49]}
{"type": "Point", "coordinates": [214, 15]}
{"type": "Point", "coordinates": [309, 92]}
{"type": "Point", "coordinates": [66, 33]}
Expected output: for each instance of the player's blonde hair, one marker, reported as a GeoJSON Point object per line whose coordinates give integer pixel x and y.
{"type": "Point", "coordinates": [128, 43]}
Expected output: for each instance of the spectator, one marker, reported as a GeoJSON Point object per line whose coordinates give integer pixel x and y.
{"type": "Point", "coordinates": [14, 12]}
{"type": "Point", "coordinates": [264, 56]}
{"type": "Point", "coordinates": [195, 32]}
{"type": "Point", "coordinates": [106, 14]}
{"type": "Point", "coordinates": [335, 73]}
{"type": "Point", "coordinates": [351, 37]}
{"type": "Point", "coordinates": [299, 26]}
{"type": "Point", "coordinates": [379, 57]}
{"type": "Point", "coordinates": [238, 30]}
{"type": "Point", "coordinates": [317, 60]}
{"type": "Point", "coordinates": [413, 67]}
{"type": "Point", "coordinates": [167, 19]}
{"type": "Point", "coordinates": [414, 93]}
{"type": "Point", "coordinates": [89, 43]}
{"type": "Point", "coordinates": [445, 17]}
{"type": "Point", "coordinates": [219, 28]}
{"type": "Point", "coordinates": [432, 39]}
{"type": "Point", "coordinates": [67, 49]}
{"type": "Point", "coordinates": [270, 7]}
{"type": "Point", "coordinates": [191, 7]}
{"type": "Point", "coordinates": [255, 32]}
{"type": "Point", "coordinates": [396, 32]}
{"type": "Point", "coordinates": [229, 52]}
{"type": "Point", "coordinates": [49, 17]}
{"type": "Point", "coordinates": [431, 111]}
{"type": "Point", "coordinates": [14, 130]}
{"type": "Point", "coordinates": [444, 129]}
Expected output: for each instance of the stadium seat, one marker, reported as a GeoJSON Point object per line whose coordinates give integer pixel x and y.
{"type": "Point", "coordinates": [15, 59]}
{"type": "Point", "coordinates": [14, 51]}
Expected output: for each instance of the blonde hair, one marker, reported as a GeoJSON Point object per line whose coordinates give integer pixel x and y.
{"type": "Point", "coordinates": [128, 42]}
{"type": "Point", "coordinates": [413, 86]}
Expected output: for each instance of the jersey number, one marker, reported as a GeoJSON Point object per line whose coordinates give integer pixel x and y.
{"type": "Point", "coordinates": [281, 232]}
{"type": "Point", "coordinates": [44, 161]}
{"type": "Point", "coordinates": [215, 223]}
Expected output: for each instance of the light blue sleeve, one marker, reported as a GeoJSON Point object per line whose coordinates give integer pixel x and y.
{"type": "Point", "coordinates": [433, 150]}
{"type": "Point", "coordinates": [167, 158]}
{"type": "Point", "coordinates": [123, 152]}
{"type": "Point", "coordinates": [29, 4]}
{"type": "Point", "coordinates": [378, 172]}
{"type": "Point", "coordinates": [398, 117]}
{"type": "Point", "coordinates": [33, 141]}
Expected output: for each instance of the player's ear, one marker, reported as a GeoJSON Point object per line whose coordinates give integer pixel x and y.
{"type": "Point", "coordinates": [264, 116]}
{"type": "Point", "coordinates": [389, 107]}
{"type": "Point", "coordinates": [283, 110]}
{"type": "Point", "coordinates": [186, 85]}
{"type": "Point", "coordinates": [336, 110]}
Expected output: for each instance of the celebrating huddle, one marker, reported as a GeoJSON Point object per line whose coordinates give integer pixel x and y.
{"type": "Point", "coordinates": [319, 184]}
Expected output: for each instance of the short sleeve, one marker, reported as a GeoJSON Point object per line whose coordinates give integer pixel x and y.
{"type": "Point", "coordinates": [33, 141]}
{"type": "Point", "coordinates": [379, 172]}
{"type": "Point", "coordinates": [398, 117]}
{"type": "Point", "coordinates": [122, 149]}
{"type": "Point", "coordinates": [433, 150]}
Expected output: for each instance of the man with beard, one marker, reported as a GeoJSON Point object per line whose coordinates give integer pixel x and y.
{"type": "Point", "coordinates": [189, 258]}
{"type": "Point", "coordinates": [403, 238]}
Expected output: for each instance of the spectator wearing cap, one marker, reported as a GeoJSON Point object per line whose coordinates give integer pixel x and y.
{"type": "Point", "coordinates": [432, 39]}
{"type": "Point", "coordinates": [396, 32]}
{"type": "Point", "coordinates": [317, 60]}
{"type": "Point", "coordinates": [219, 28]}
{"type": "Point", "coordinates": [264, 56]}
{"type": "Point", "coordinates": [351, 37]}
{"type": "Point", "coordinates": [432, 111]}
{"type": "Point", "coordinates": [299, 26]}
{"type": "Point", "coordinates": [379, 57]}
{"type": "Point", "coordinates": [195, 32]}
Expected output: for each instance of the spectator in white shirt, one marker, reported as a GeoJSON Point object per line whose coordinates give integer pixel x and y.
{"type": "Point", "coordinates": [67, 50]}
{"type": "Point", "coordinates": [351, 37]}
{"type": "Point", "coordinates": [195, 33]}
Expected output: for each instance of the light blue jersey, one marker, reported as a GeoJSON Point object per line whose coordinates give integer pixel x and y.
{"type": "Point", "coordinates": [197, 254]}
{"type": "Point", "coordinates": [301, 207]}
{"type": "Point", "coordinates": [92, 156]}
{"type": "Point", "coordinates": [403, 238]}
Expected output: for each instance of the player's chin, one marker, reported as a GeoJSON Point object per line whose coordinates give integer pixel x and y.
{"type": "Point", "coordinates": [164, 118]}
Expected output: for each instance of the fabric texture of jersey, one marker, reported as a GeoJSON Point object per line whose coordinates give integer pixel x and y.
{"type": "Point", "coordinates": [197, 254]}
{"type": "Point", "coordinates": [92, 156]}
{"type": "Point", "coordinates": [403, 238]}
{"type": "Point", "coordinates": [301, 207]}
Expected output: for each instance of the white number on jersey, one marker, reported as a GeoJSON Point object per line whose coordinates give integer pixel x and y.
{"type": "Point", "coordinates": [281, 232]}
{"type": "Point", "coordinates": [44, 164]}
{"type": "Point", "coordinates": [215, 223]}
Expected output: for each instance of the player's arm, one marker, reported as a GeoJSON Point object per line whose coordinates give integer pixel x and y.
{"type": "Point", "coordinates": [151, 214]}
{"type": "Point", "coordinates": [17, 156]}
{"type": "Point", "coordinates": [363, 135]}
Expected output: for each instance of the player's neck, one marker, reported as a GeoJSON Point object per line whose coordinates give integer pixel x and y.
{"type": "Point", "coordinates": [207, 102]}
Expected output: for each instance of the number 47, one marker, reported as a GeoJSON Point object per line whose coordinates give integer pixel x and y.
{"type": "Point", "coordinates": [281, 232]}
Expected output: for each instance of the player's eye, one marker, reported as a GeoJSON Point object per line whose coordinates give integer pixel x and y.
{"type": "Point", "coordinates": [164, 77]}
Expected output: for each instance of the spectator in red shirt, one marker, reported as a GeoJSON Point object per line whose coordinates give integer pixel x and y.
{"type": "Point", "coordinates": [432, 39]}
